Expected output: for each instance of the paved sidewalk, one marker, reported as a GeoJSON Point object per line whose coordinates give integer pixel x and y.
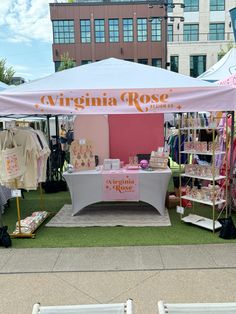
{"type": "Point", "coordinates": [198, 273]}
{"type": "Point", "coordinates": [118, 258]}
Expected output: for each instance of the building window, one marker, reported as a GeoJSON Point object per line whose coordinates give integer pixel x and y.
{"type": "Point", "coordinates": [113, 30]}
{"type": "Point", "coordinates": [191, 5]}
{"type": "Point", "coordinates": [156, 29]}
{"type": "Point", "coordinates": [143, 61]}
{"type": "Point", "coordinates": [217, 5]}
{"type": "Point", "coordinates": [197, 65]}
{"type": "Point", "coordinates": [174, 63]}
{"type": "Point", "coordinates": [191, 32]}
{"type": "Point", "coordinates": [85, 31]}
{"type": "Point", "coordinates": [157, 62]}
{"type": "Point", "coordinates": [142, 29]}
{"type": "Point", "coordinates": [170, 6]}
{"type": "Point", "coordinates": [130, 60]}
{"type": "Point", "coordinates": [217, 31]}
{"type": "Point", "coordinates": [170, 32]}
{"type": "Point", "coordinates": [57, 65]}
{"type": "Point", "coordinates": [85, 62]}
{"type": "Point", "coordinates": [63, 32]}
{"type": "Point", "coordinates": [99, 30]}
{"type": "Point", "coordinates": [128, 31]}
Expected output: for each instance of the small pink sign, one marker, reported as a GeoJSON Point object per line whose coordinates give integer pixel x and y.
{"type": "Point", "coordinates": [120, 186]}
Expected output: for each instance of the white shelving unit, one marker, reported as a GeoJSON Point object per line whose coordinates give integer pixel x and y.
{"type": "Point", "coordinates": [203, 178]}
{"type": "Point", "coordinates": [189, 198]}
{"type": "Point", "coordinates": [210, 224]}
{"type": "Point", "coordinates": [194, 152]}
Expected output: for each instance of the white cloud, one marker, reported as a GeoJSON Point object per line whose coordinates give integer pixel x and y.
{"type": "Point", "coordinates": [26, 20]}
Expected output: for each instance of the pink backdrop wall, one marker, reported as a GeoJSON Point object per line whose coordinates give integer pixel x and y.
{"type": "Point", "coordinates": [95, 128]}
{"type": "Point", "coordinates": [135, 134]}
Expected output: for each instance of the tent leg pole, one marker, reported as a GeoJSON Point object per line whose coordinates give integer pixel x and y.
{"type": "Point", "coordinates": [50, 146]}
{"type": "Point", "coordinates": [231, 164]}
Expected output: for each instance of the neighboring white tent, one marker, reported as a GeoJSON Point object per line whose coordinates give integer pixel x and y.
{"type": "Point", "coordinates": [114, 86]}
{"type": "Point", "coordinates": [225, 67]}
{"type": "Point", "coordinates": [3, 86]}
{"type": "Point", "coordinates": [228, 81]}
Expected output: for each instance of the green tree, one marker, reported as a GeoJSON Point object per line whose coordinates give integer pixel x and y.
{"type": "Point", "coordinates": [223, 52]}
{"type": "Point", "coordinates": [6, 74]}
{"type": "Point", "coordinates": [66, 62]}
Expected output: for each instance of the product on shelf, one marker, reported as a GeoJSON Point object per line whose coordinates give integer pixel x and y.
{"type": "Point", "coordinates": [159, 160]}
{"type": "Point", "coordinates": [213, 146]}
{"type": "Point", "coordinates": [111, 164]}
{"type": "Point", "coordinates": [201, 146]}
{"type": "Point", "coordinates": [31, 223]}
{"type": "Point", "coordinates": [202, 171]}
{"type": "Point", "coordinates": [209, 193]}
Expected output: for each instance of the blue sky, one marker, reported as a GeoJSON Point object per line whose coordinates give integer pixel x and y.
{"type": "Point", "coordinates": [26, 37]}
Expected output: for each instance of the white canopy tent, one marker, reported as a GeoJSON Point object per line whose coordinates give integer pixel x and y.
{"type": "Point", "coordinates": [225, 67]}
{"type": "Point", "coordinates": [114, 86]}
{"type": "Point", "coordinates": [3, 86]}
{"type": "Point", "coordinates": [229, 81]}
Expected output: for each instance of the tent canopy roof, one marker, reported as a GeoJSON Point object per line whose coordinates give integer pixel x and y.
{"type": "Point", "coordinates": [114, 86]}
{"type": "Point", "coordinates": [110, 74]}
{"type": "Point", "coordinates": [228, 81]}
{"type": "Point", "coordinates": [225, 67]}
{"type": "Point", "coordinates": [3, 86]}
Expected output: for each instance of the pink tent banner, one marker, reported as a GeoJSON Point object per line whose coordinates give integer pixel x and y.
{"type": "Point", "coordinates": [115, 101]}
{"type": "Point", "coordinates": [120, 186]}
{"type": "Point", "coordinates": [114, 86]}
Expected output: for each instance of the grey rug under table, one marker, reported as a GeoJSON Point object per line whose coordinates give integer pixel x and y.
{"type": "Point", "coordinates": [111, 214]}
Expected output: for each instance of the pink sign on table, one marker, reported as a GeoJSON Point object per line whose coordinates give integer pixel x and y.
{"type": "Point", "coordinates": [120, 186]}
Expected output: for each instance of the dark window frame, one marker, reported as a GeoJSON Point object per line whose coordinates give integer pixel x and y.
{"type": "Point", "coordinates": [217, 33]}
{"type": "Point", "coordinates": [128, 29]}
{"type": "Point", "coordinates": [174, 66]}
{"type": "Point", "coordinates": [217, 5]}
{"type": "Point", "coordinates": [195, 59]}
{"type": "Point", "coordinates": [85, 29]}
{"type": "Point", "coordinates": [190, 6]}
{"type": "Point", "coordinates": [113, 30]}
{"type": "Point", "coordinates": [156, 29]}
{"type": "Point", "coordinates": [192, 34]}
{"type": "Point", "coordinates": [170, 33]}
{"type": "Point", "coordinates": [63, 31]}
{"type": "Point", "coordinates": [99, 31]}
{"type": "Point", "coordinates": [142, 29]}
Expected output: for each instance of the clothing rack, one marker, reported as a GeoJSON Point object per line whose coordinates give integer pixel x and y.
{"type": "Point", "coordinates": [28, 229]}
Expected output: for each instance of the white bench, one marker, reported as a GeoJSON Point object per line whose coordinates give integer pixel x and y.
{"type": "Point", "coordinates": [197, 308]}
{"type": "Point", "coordinates": [116, 308]}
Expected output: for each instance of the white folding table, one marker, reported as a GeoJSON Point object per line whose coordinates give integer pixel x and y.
{"type": "Point", "coordinates": [86, 188]}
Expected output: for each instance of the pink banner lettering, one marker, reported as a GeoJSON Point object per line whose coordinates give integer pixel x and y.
{"type": "Point", "coordinates": [120, 186]}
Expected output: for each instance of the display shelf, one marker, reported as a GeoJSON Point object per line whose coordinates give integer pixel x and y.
{"type": "Point", "coordinates": [202, 222]}
{"type": "Point", "coordinates": [202, 153]}
{"type": "Point", "coordinates": [29, 234]}
{"type": "Point", "coordinates": [199, 128]}
{"type": "Point", "coordinates": [195, 146]}
{"type": "Point", "coordinates": [216, 178]}
{"type": "Point", "coordinates": [189, 198]}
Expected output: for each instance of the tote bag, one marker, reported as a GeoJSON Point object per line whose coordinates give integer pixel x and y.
{"type": "Point", "coordinates": [12, 159]}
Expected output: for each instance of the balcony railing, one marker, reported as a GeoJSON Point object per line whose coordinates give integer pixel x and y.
{"type": "Point", "coordinates": [202, 37]}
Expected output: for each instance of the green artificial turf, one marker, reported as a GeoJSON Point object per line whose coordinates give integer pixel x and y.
{"type": "Point", "coordinates": [177, 233]}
